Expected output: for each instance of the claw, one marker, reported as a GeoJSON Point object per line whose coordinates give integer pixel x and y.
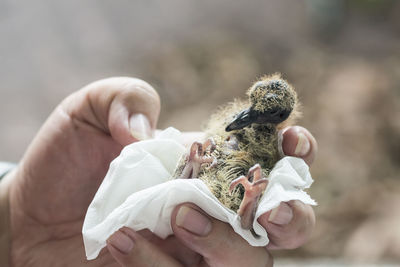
{"type": "Point", "coordinates": [253, 191]}
{"type": "Point", "coordinates": [197, 157]}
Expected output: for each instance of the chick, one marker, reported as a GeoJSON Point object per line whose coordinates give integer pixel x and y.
{"type": "Point", "coordinates": [242, 146]}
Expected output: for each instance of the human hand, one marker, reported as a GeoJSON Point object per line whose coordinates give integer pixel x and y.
{"type": "Point", "coordinates": [200, 240]}
{"type": "Point", "coordinates": [65, 164]}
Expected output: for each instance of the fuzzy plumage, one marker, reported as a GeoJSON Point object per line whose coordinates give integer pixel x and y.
{"type": "Point", "coordinates": [251, 138]}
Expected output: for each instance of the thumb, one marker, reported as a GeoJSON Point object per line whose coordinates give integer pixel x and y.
{"type": "Point", "coordinates": [134, 111]}
{"type": "Point", "coordinates": [126, 108]}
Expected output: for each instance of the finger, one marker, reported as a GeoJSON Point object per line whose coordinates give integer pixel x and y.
{"type": "Point", "coordinates": [289, 225]}
{"type": "Point", "coordinates": [299, 142]}
{"type": "Point", "coordinates": [126, 108]}
{"type": "Point", "coordinates": [214, 240]}
{"type": "Point", "coordinates": [131, 249]}
{"type": "Point", "coordinates": [173, 247]}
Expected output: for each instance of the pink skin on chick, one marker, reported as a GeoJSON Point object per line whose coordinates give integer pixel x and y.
{"type": "Point", "coordinates": [253, 191]}
{"type": "Point", "coordinates": [197, 157]}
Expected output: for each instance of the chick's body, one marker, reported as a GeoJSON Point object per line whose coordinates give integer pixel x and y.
{"type": "Point", "coordinates": [236, 153]}
{"type": "Point", "coordinates": [250, 139]}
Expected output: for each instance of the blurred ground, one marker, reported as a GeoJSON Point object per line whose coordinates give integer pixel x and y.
{"type": "Point", "coordinates": [342, 56]}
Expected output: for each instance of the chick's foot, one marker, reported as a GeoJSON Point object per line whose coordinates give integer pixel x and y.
{"type": "Point", "coordinates": [197, 156]}
{"type": "Point", "coordinates": [253, 191]}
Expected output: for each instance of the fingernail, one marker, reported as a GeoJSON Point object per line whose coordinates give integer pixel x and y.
{"type": "Point", "coordinates": [140, 127]}
{"type": "Point", "coordinates": [121, 241]}
{"type": "Point", "coordinates": [280, 143]}
{"type": "Point", "coordinates": [303, 145]}
{"type": "Point", "coordinates": [193, 221]}
{"type": "Point", "coordinates": [282, 214]}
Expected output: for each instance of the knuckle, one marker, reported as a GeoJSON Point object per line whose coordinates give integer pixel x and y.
{"type": "Point", "coordinates": [135, 84]}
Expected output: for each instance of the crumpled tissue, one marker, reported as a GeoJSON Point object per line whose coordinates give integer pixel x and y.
{"type": "Point", "coordinates": [139, 192]}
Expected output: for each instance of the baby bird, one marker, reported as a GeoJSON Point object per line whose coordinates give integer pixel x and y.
{"type": "Point", "coordinates": [242, 146]}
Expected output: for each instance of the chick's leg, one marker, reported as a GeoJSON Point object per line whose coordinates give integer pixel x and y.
{"type": "Point", "coordinates": [197, 156]}
{"type": "Point", "coordinates": [253, 191]}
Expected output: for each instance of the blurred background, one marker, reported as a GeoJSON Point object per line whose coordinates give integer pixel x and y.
{"type": "Point", "coordinates": [342, 56]}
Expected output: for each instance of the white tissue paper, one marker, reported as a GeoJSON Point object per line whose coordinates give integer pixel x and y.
{"type": "Point", "coordinates": [139, 192]}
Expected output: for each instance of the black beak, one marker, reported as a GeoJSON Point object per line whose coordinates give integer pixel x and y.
{"type": "Point", "coordinates": [249, 116]}
{"type": "Point", "coordinates": [243, 119]}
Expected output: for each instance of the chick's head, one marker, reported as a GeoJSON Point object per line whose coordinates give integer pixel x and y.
{"type": "Point", "coordinates": [272, 95]}
{"type": "Point", "coordinates": [272, 100]}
